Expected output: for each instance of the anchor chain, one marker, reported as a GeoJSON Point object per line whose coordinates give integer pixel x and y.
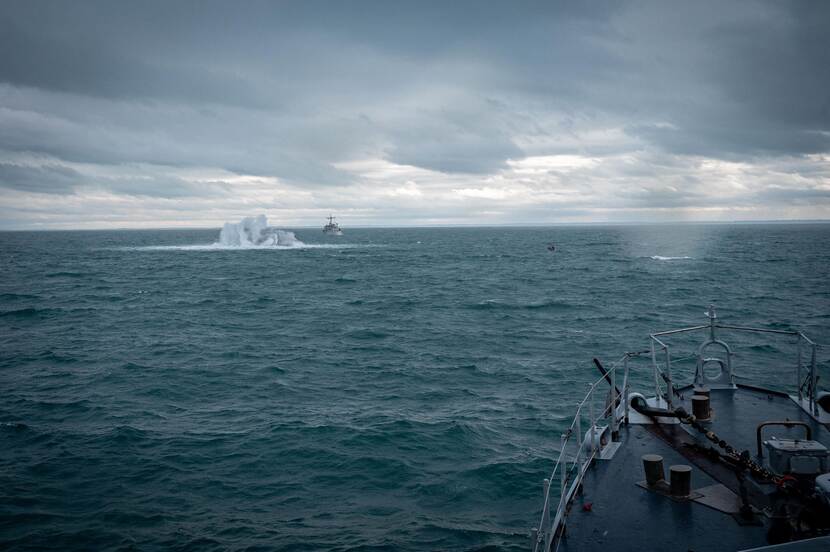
{"type": "Point", "coordinates": [742, 459]}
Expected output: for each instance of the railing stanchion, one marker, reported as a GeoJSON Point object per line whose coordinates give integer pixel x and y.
{"type": "Point", "coordinates": [625, 388]}
{"type": "Point", "coordinates": [593, 422]}
{"type": "Point", "coordinates": [563, 468]}
{"type": "Point", "coordinates": [813, 382]}
{"type": "Point", "coordinates": [656, 368]}
{"type": "Point", "coordinates": [563, 478]}
{"type": "Point", "coordinates": [546, 513]}
{"type": "Point", "coordinates": [798, 372]}
{"type": "Point", "coordinates": [669, 386]}
{"type": "Point", "coordinates": [578, 434]}
{"type": "Point", "coordinates": [614, 430]}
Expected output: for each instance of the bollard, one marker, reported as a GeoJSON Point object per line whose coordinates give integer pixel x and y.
{"type": "Point", "coordinates": [700, 407]}
{"type": "Point", "coordinates": [653, 466]}
{"type": "Point", "coordinates": [681, 480]}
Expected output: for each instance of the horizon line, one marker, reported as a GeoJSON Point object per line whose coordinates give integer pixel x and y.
{"type": "Point", "coordinates": [451, 225]}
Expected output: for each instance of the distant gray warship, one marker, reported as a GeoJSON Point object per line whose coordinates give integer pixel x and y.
{"type": "Point", "coordinates": [332, 228]}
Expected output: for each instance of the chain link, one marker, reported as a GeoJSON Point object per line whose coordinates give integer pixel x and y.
{"type": "Point", "coordinates": [742, 459]}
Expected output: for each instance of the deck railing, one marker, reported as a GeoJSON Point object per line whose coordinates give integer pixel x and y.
{"type": "Point", "coordinates": [578, 450]}
{"type": "Point", "coordinates": [805, 385]}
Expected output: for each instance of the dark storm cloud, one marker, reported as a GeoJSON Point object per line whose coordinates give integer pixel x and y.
{"type": "Point", "coordinates": [778, 67]}
{"type": "Point", "coordinates": [48, 179]}
{"type": "Point", "coordinates": [666, 197]}
{"type": "Point", "coordinates": [733, 137]}
{"type": "Point", "coordinates": [57, 179]}
{"type": "Point", "coordinates": [293, 89]}
{"type": "Point", "coordinates": [215, 51]}
{"type": "Point", "coordinates": [759, 76]}
{"type": "Point", "coordinates": [83, 64]}
{"type": "Point", "coordinates": [794, 196]}
{"type": "Point", "coordinates": [305, 59]}
{"type": "Point", "coordinates": [163, 187]}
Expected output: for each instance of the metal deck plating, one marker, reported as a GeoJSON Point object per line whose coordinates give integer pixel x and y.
{"type": "Point", "coordinates": [596, 499]}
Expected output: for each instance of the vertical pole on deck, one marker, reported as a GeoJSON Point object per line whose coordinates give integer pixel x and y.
{"type": "Point", "coordinates": [579, 436]}
{"type": "Point", "coordinates": [655, 369]}
{"type": "Point", "coordinates": [593, 421]}
{"type": "Point", "coordinates": [625, 389]}
{"type": "Point", "coordinates": [563, 466]}
{"type": "Point", "coordinates": [563, 480]}
{"type": "Point", "coordinates": [546, 513]}
{"type": "Point", "coordinates": [614, 430]}
{"type": "Point", "coordinates": [798, 372]}
{"type": "Point", "coordinates": [813, 382]}
{"type": "Point", "coordinates": [669, 386]}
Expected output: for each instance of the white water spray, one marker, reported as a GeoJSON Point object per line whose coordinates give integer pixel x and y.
{"type": "Point", "coordinates": [255, 232]}
{"type": "Point", "coordinates": [249, 233]}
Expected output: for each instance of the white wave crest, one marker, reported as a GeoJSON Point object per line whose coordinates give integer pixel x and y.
{"type": "Point", "coordinates": [255, 232]}
{"type": "Point", "coordinates": [661, 258]}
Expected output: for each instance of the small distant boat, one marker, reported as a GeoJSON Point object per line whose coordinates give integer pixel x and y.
{"type": "Point", "coordinates": [332, 228]}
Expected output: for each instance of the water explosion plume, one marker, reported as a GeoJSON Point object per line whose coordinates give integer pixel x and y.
{"type": "Point", "coordinates": [254, 231]}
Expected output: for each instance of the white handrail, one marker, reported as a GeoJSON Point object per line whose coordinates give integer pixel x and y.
{"type": "Point", "coordinates": [810, 382]}
{"type": "Point", "coordinates": [570, 477]}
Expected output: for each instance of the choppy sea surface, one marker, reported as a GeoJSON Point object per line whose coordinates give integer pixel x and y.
{"type": "Point", "coordinates": [390, 389]}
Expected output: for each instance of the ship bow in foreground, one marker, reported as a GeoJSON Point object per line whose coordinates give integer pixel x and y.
{"type": "Point", "coordinates": [715, 463]}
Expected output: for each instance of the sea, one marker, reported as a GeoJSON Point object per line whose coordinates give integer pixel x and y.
{"type": "Point", "coordinates": [388, 389]}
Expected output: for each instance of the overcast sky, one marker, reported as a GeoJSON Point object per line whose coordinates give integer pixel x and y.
{"type": "Point", "coordinates": [145, 114]}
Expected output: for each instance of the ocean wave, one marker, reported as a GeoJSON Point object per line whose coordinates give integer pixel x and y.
{"type": "Point", "coordinates": [13, 426]}
{"type": "Point", "coordinates": [765, 348]}
{"type": "Point", "coordinates": [65, 274]}
{"type": "Point", "coordinates": [29, 312]}
{"type": "Point", "coordinates": [662, 258]}
{"type": "Point", "coordinates": [495, 304]}
{"type": "Point", "coordinates": [17, 296]}
{"type": "Point", "coordinates": [56, 358]}
{"type": "Point", "coordinates": [125, 435]}
{"type": "Point", "coordinates": [367, 333]}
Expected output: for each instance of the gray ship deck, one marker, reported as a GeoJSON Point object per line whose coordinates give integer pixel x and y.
{"type": "Point", "coordinates": [613, 513]}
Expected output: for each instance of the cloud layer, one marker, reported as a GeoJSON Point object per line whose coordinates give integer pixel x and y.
{"type": "Point", "coordinates": [159, 114]}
